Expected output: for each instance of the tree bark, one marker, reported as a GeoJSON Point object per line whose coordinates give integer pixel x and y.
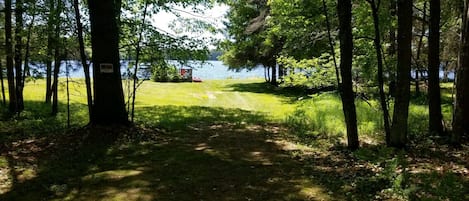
{"type": "Point", "coordinates": [331, 42]}
{"type": "Point", "coordinates": [461, 105]}
{"type": "Point", "coordinates": [50, 48]}
{"type": "Point", "coordinates": [109, 107]}
{"type": "Point", "coordinates": [55, 83]}
{"type": "Point", "coordinates": [137, 60]}
{"type": "Point", "coordinates": [18, 55]}
{"type": "Point", "coordinates": [392, 31]}
{"type": "Point", "coordinates": [26, 70]}
{"type": "Point", "coordinates": [57, 60]}
{"type": "Point", "coordinates": [392, 50]}
{"type": "Point", "coordinates": [84, 60]}
{"type": "Point", "coordinates": [281, 72]}
{"type": "Point", "coordinates": [273, 81]}
{"type": "Point", "coordinates": [434, 95]}
{"type": "Point", "coordinates": [379, 57]}
{"type": "Point", "coordinates": [12, 107]}
{"type": "Point", "coordinates": [419, 50]}
{"type": "Point", "coordinates": [404, 52]}
{"type": "Point", "coordinates": [344, 10]}
{"type": "Point", "coordinates": [3, 86]}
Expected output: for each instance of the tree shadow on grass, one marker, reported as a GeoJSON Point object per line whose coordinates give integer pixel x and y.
{"type": "Point", "coordinates": [196, 153]}
{"type": "Point", "coordinates": [290, 93]}
{"type": "Point", "coordinates": [187, 153]}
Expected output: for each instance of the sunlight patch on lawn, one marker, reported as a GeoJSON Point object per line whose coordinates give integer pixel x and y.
{"type": "Point", "coordinates": [308, 191]}
{"type": "Point", "coordinates": [109, 193]}
{"type": "Point", "coordinates": [111, 175]}
{"type": "Point", "coordinates": [5, 182]}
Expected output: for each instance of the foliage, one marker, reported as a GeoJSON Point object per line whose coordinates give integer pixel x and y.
{"type": "Point", "coordinates": [165, 73]}
{"type": "Point", "coordinates": [300, 20]}
{"type": "Point", "coordinates": [310, 73]}
{"type": "Point", "coordinates": [250, 42]}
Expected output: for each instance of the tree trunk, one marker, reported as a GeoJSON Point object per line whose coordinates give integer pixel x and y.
{"type": "Point", "coordinates": [331, 42]}
{"type": "Point", "coordinates": [84, 60]}
{"type": "Point", "coordinates": [419, 50]}
{"type": "Point", "coordinates": [392, 44]}
{"type": "Point", "coordinates": [273, 81]}
{"type": "Point", "coordinates": [3, 86]}
{"type": "Point", "coordinates": [67, 73]}
{"type": "Point", "coordinates": [404, 52]}
{"type": "Point", "coordinates": [50, 48]}
{"type": "Point", "coordinates": [57, 60]}
{"type": "Point", "coordinates": [379, 57]}
{"type": "Point", "coordinates": [267, 73]}
{"type": "Point", "coordinates": [445, 72]}
{"type": "Point", "coordinates": [55, 83]}
{"type": "Point", "coordinates": [461, 105]}
{"type": "Point", "coordinates": [392, 31]}
{"type": "Point", "coordinates": [18, 55]}
{"type": "Point", "coordinates": [344, 9]}
{"type": "Point", "coordinates": [13, 107]}
{"type": "Point", "coordinates": [434, 96]}
{"type": "Point", "coordinates": [26, 70]}
{"type": "Point", "coordinates": [137, 60]}
{"type": "Point", "coordinates": [109, 106]}
{"type": "Point", "coordinates": [281, 72]}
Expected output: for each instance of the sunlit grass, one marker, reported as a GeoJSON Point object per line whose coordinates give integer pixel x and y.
{"type": "Point", "coordinates": [212, 93]}
{"type": "Point", "coordinates": [216, 140]}
{"type": "Point", "coordinates": [322, 114]}
{"type": "Point", "coordinates": [314, 115]}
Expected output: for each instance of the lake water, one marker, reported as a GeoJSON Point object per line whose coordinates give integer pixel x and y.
{"type": "Point", "coordinates": [211, 70]}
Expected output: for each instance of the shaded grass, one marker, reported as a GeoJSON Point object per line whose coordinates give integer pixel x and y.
{"type": "Point", "coordinates": [203, 161]}
{"type": "Point", "coordinates": [222, 140]}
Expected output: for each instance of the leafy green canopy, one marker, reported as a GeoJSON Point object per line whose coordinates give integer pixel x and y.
{"type": "Point", "coordinates": [274, 32]}
{"type": "Point", "coordinates": [157, 46]}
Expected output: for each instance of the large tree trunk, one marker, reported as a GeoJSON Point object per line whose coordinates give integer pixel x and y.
{"type": "Point", "coordinates": [379, 57]}
{"type": "Point", "coordinates": [461, 105]}
{"type": "Point", "coordinates": [50, 47]}
{"type": "Point", "coordinates": [57, 60]}
{"type": "Point", "coordinates": [13, 107]}
{"type": "Point", "coordinates": [434, 96]}
{"type": "Point", "coordinates": [109, 107]}
{"type": "Point", "coordinates": [344, 9]}
{"type": "Point", "coordinates": [404, 52]}
{"type": "Point", "coordinates": [84, 62]}
{"type": "Point", "coordinates": [18, 55]}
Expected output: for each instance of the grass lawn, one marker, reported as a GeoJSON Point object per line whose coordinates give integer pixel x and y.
{"type": "Point", "coordinates": [222, 140]}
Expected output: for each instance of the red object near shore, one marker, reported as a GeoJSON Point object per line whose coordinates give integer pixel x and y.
{"type": "Point", "coordinates": [196, 79]}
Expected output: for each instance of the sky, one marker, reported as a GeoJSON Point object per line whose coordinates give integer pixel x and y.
{"type": "Point", "coordinates": [215, 16]}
